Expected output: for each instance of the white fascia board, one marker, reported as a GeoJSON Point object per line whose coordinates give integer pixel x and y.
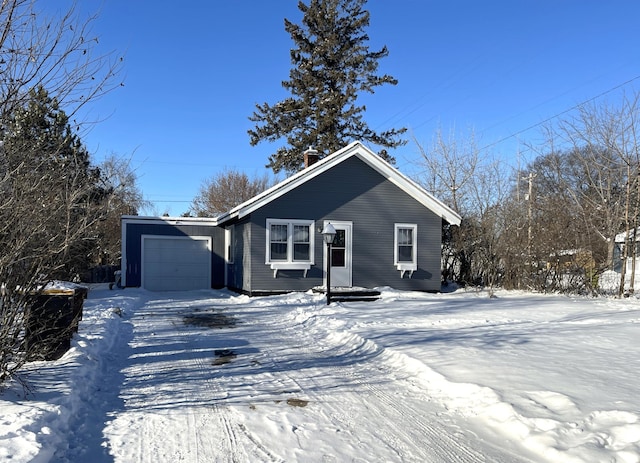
{"type": "Point", "coordinates": [123, 252]}
{"type": "Point", "coordinates": [136, 219]}
{"type": "Point", "coordinates": [355, 148]}
{"type": "Point", "coordinates": [289, 184]}
{"type": "Point", "coordinates": [411, 188]}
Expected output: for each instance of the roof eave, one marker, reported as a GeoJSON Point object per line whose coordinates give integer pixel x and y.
{"type": "Point", "coordinates": [246, 208]}
{"type": "Point", "coordinates": [412, 188]}
{"type": "Point", "coordinates": [366, 155]}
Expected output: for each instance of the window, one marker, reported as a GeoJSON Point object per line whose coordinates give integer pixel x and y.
{"type": "Point", "coordinates": [230, 236]}
{"type": "Point", "coordinates": [339, 249]}
{"type": "Point", "coordinates": [279, 241]}
{"type": "Point", "coordinates": [406, 249]}
{"type": "Point", "coordinates": [289, 244]}
{"type": "Point", "coordinates": [405, 244]}
{"type": "Point", "coordinates": [301, 242]}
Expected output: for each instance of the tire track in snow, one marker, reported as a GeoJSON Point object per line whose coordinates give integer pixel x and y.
{"type": "Point", "coordinates": [342, 410]}
{"type": "Point", "coordinates": [403, 422]}
{"type": "Point", "coordinates": [201, 430]}
{"type": "Point", "coordinates": [441, 436]}
{"type": "Point", "coordinates": [171, 414]}
{"type": "Point", "coordinates": [342, 376]}
{"type": "Point", "coordinates": [230, 447]}
{"type": "Point", "coordinates": [363, 401]}
{"type": "Point", "coordinates": [396, 409]}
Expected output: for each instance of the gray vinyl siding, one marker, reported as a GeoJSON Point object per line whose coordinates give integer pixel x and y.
{"type": "Point", "coordinates": [246, 258]}
{"type": "Point", "coordinates": [239, 273]}
{"type": "Point", "coordinates": [352, 191]}
{"type": "Point", "coordinates": [134, 232]}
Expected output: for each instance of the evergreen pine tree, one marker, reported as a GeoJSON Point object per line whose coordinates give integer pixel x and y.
{"type": "Point", "coordinates": [39, 135]}
{"type": "Point", "coordinates": [52, 195]}
{"type": "Point", "coordinates": [332, 64]}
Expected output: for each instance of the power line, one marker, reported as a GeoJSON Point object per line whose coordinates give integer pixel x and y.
{"type": "Point", "coordinates": [560, 113]}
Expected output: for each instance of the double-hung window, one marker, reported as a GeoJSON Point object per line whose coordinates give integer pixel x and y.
{"type": "Point", "coordinates": [301, 242]}
{"type": "Point", "coordinates": [278, 240]}
{"type": "Point", "coordinates": [289, 245]}
{"type": "Point", "coordinates": [406, 248]}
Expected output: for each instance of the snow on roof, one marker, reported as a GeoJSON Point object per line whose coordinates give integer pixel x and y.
{"type": "Point", "coordinates": [622, 237]}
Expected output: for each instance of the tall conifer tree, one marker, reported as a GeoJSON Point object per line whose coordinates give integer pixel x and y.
{"type": "Point", "coordinates": [332, 65]}
{"type": "Point", "coordinates": [51, 194]}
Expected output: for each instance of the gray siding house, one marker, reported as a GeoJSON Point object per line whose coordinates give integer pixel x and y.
{"type": "Point", "coordinates": [388, 233]}
{"type": "Point", "coordinates": [161, 253]}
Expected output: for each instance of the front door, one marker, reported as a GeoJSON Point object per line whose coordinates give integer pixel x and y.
{"type": "Point", "coordinates": [341, 254]}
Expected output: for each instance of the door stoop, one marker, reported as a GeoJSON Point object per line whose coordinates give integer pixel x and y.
{"type": "Point", "coordinates": [350, 294]}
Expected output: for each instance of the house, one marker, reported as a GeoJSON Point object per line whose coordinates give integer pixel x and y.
{"type": "Point", "coordinates": [163, 253]}
{"type": "Point", "coordinates": [610, 280]}
{"type": "Point", "coordinates": [627, 239]}
{"type": "Point", "coordinates": [571, 261]}
{"type": "Point", "coordinates": [388, 234]}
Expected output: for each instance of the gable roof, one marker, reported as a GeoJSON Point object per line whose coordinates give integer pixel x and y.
{"type": "Point", "coordinates": [363, 153]}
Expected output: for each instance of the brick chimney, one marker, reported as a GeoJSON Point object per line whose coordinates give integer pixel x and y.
{"type": "Point", "coordinates": [310, 157]}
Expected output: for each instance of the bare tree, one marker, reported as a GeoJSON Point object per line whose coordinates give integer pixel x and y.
{"type": "Point", "coordinates": [604, 139]}
{"type": "Point", "coordinates": [489, 190]}
{"type": "Point", "coordinates": [125, 198]}
{"type": "Point", "coordinates": [51, 198]}
{"type": "Point", "coordinates": [558, 242]}
{"type": "Point", "coordinates": [58, 53]}
{"type": "Point", "coordinates": [474, 186]}
{"type": "Point", "coordinates": [449, 166]}
{"type": "Point", "coordinates": [226, 190]}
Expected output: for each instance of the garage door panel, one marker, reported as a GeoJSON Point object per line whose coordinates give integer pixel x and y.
{"type": "Point", "coordinates": [176, 263]}
{"type": "Point", "coordinates": [170, 270]}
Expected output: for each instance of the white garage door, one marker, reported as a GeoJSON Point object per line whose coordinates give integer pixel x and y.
{"type": "Point", "coordinates": [171, 263]}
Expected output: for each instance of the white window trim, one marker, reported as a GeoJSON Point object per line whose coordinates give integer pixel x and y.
{"type": "Point", "coordinates": [405, 267]}
{"type": "Point", "coordinates": [230, 238]}
{"type": "Point", "coordinates": [290, 264]}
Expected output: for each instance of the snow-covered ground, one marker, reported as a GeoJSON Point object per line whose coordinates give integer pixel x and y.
{"type": "Point", "coordinates": [211, 376]}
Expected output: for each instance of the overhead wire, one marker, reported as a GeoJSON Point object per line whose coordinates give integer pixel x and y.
{"type": "Point", "coordinates": [576, 106]}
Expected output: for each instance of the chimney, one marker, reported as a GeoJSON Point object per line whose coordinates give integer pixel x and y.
{"type": "Point", "coordinates": [310, 157]}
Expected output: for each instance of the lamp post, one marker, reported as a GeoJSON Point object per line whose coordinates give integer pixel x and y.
{"type": "Point", "coordinates": [329, 234]}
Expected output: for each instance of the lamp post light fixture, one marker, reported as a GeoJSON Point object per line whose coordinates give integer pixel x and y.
{"type": "Point", "coordinates": [329, 234]}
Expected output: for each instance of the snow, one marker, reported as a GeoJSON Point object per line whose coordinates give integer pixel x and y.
{"type": "Point", "coordinates": [63, 285]}
{"type": "Point", "coordinates": [609, 281]}
{"type": "Point", "coordinates": [209, 376]}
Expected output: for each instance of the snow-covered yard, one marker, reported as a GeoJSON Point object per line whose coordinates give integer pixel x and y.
{"type": "Point", "coordinates": [212, 376]}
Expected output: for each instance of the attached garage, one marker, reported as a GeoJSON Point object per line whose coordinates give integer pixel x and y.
{"type": "Point", "coordinates": [177, 263]}
{"type": "Point", "coordinates": [172, 254]}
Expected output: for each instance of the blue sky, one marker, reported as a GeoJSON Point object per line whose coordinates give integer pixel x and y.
{"type": "Point", "coordinates": [193, 72]}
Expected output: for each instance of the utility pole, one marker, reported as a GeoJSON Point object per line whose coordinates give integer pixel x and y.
{"type": "Point", "coordinates": [529, 198]}
{"type": "Point", "coordinates": [634, 249]}
{"type": "Point", "coordinates": [530, 231]}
